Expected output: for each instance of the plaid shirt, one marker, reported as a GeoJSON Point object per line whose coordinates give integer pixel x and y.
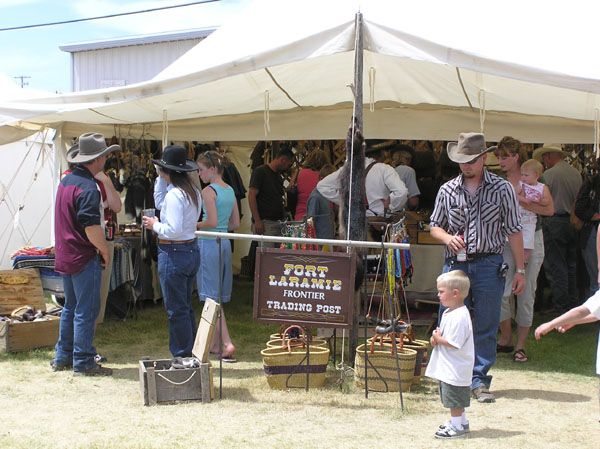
{"type": "Point", "coordinates": [485, 219]}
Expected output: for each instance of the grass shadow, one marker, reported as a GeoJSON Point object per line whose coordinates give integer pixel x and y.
{"type": "Point", "coordinates": [126, 373]}
{"type": "Point", "coordinates": [544, 395]}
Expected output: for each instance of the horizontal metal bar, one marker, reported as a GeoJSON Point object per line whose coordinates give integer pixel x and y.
{"type": "Point", "coordinates": [277, 239]}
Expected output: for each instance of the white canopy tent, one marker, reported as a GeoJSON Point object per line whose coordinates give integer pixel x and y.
{"type": "Point", "coordinates": [27, 178]}
{"type": "Point", "coordinates": [281, 70]}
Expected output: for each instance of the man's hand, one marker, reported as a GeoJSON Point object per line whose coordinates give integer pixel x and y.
{"type": "Point", "coordinates": [543, 329]}
{"type": "Point", "coordinates": [455, 243]}
{"type": "Point", "coordinates": [518, 284]}
{"type": "Point", "coordinates": [103, 253]}
{"type": "Point", "coordinates": [259, 227]}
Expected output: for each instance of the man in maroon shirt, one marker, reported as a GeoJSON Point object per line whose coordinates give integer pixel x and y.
{"type": "Point", "coordinates": [81, 254]}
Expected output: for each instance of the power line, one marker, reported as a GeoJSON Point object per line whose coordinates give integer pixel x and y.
{"type": "Point", "coordinates": [107, 16]}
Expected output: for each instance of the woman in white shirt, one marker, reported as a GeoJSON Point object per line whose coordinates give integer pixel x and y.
{"type": "Point", "coordinates": [177, 196]}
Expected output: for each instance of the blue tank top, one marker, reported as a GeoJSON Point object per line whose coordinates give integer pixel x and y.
{"type": "Point", "coordinates": [224, 204]}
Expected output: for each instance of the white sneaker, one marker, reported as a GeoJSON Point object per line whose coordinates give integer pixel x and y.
{"type": "Point", "coordinates": [450, 432]}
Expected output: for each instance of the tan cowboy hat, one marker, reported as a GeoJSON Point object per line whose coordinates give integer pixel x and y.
{"type": "Point", "coordinates": [548, 148]}
{"type": "Point", "coordinates": [89, 146]}
{"type": "Point", "coordinates": [468, 148]}
{"type": "Point", "coordinates": [492, 163]}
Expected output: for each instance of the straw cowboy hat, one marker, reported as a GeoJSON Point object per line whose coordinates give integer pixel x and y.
{"type": "Point", "coordinates": [548, 148]}
{"type": "Point", "coordinates": [89, 146]}
{"type": "Point", "coordinates": [492, 163]}
{"type": "Point", "coordinates": [174, 158]}
{"type": "Point", "coordinates": [468, 148]}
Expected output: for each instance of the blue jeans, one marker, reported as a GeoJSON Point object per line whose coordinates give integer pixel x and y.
{"type": "Point", "coordinates": [560, 245]}
{"type": "Point", "coordinates": [78, 317]}
{"type": "Point", "coordinates": [483, 301]}
{"type": "Point", "coordinates": [177, 268]}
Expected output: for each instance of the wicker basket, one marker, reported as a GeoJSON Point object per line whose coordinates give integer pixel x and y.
{"type": "Point", "coordinates": [420, 346]}
{"type": "Point", "coordinates": [278, 342]}
{"type": "Point", "coordinates": [382, 369]}
{"type": "Point", "coordinates": [287, 368]}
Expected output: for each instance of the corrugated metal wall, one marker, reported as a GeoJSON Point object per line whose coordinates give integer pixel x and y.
{"type": "Point", "coordinates": [125, 65]}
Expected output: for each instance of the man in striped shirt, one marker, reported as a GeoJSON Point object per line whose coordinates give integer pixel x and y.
{"type": "Point", "coordinates": [474, 215]}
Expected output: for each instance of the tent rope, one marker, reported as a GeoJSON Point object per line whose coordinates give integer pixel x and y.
{"type": "Point", "coordinates": [165, 128]}
{"type": "Point", "coordinates": [481, 97]}
{"type": "Point", "coordinates": [372, 72]}
{"type": "Point", "coordinates": [463, 87]}
{"type": "Point", "coordinates": [266, 116]}
{"type": "Point", "coordinates": [596, 131]}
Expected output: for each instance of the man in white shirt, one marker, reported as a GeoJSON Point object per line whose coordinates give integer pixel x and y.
{"type": "Point", "coordinates": [385, 190]}
{"type": "Point", "coordinates": [402, 156]}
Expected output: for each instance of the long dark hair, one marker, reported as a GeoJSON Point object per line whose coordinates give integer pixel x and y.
{"type": "Point", "coordinates": [182, 182]}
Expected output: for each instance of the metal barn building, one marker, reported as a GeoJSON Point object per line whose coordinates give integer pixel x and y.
{"type": "Point", "coordinates": [128, 60]}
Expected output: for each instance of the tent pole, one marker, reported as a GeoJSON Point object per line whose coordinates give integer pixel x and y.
{"type": "Point", "coordinates": [357, 227]}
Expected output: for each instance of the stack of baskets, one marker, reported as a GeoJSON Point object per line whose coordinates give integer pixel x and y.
{"type": "Point", "coordinates": [382, 373]}
{"type": "Point", "coordinates": [288, 360]}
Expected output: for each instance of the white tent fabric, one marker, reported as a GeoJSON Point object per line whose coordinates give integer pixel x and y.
{"type": "Point", "coordinates": [281, 70]}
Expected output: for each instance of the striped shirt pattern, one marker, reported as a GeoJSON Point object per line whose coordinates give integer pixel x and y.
{"type": "Point", "coordinates": [485, 218]}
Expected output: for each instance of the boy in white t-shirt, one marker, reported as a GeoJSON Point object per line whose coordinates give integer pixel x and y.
{"type": "Point", "coordinates": [453, 353]}
{"type": "Point", "coordinates": [588, 312]}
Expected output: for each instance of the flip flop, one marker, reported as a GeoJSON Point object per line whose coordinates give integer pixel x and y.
{"type": "Point", "coordinates": [502, 348]}
{"type": "Point", "coordinates": [228, 359]}
{"type": "Point", "coordinates": [519, 356]}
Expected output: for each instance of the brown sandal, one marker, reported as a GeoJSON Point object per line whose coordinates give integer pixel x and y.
{"type": "Point", "coordinates": [519, 356]}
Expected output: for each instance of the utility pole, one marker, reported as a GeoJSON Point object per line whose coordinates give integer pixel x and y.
{"type": "Point", "coordinates": [22, 79]}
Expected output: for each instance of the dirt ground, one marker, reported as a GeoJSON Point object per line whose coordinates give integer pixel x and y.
{"type": "Point", "coordinates": [41, 409]}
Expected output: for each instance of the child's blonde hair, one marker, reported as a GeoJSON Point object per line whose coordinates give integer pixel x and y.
{"type": "Point", "coordinates": [533, 165]}
{"type": "Point", "coordinates": [455, 279]}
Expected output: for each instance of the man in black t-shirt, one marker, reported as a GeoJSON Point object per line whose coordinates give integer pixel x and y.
{"type": "Point", "coordinates": [266, 194]}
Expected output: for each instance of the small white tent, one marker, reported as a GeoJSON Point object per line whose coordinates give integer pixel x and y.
{"type": "Point", "coordinates": [26, 184]}
{"type": "Point", "coordinates": [281, 71]}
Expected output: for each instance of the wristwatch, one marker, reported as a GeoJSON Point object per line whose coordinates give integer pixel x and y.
{"type": "Point", "coordinates": [520, 271]}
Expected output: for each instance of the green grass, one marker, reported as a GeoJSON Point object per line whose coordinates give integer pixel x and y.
{"type": "Point", "coordinates": [147, 335]}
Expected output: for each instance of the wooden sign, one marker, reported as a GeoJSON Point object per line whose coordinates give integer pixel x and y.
{"type": "Point", "coordinates": [314, 288]}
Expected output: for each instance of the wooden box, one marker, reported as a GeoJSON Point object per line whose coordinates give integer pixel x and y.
{"type": "Point", "coordinates": [206, 330]}
{"type": "Point", "coordinates": [425, 238]}
{"type": "Point", "coordinates": [28, 335]}
{"type": "Point", "coordinates": [20, 288]}
{"type": "Point", "coordinates": [161, 385]}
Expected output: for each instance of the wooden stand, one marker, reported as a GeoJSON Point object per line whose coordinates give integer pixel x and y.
{"type": "Point", "coordinates": [15, 337]}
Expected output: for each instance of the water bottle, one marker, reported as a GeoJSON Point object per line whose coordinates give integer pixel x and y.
{"type": "Point", "coordinates": [461, 255]}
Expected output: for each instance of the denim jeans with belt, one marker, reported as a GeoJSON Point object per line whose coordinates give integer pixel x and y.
{"type": "Point", "coordinates": [483, 301]}
{"type": "Point", "coordinates": [177, 268]}
{"type": "Point", "coordinates": [77, 320]}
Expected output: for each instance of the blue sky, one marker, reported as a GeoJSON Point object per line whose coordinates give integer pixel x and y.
{"type": "Point", "coordinates": [35, 53]}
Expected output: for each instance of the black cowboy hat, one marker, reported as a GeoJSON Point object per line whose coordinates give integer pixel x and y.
{"type": "Point", "coordinates": [174, 158]}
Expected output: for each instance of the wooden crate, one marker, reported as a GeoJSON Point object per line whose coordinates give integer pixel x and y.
{"type": "Point", "coordinates": [161, 385]}
{"type": "Point", "coordinates": [15, 337]}
{"type": "Point", "coordinates": [425, 238]}
{"type": "Point", "coordinates": [30, 293]}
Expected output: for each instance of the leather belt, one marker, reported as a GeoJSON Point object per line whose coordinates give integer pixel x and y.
{"type": "Point", "coordinates": [563, 215]}
{"type": "Point", "coordinates": [474, 256]}
{"type": "Point", "coordinates": [174, 242]}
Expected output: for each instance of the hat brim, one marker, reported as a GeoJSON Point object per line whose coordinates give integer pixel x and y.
{"type": "Point", "coordinates": [189, 165]}
{"type": "Point", "coordinates": [539, 152]}
{"type": "Point", "coordinates": [463, 158]}
{"type": "Point", "coordinates": [74, 157]}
